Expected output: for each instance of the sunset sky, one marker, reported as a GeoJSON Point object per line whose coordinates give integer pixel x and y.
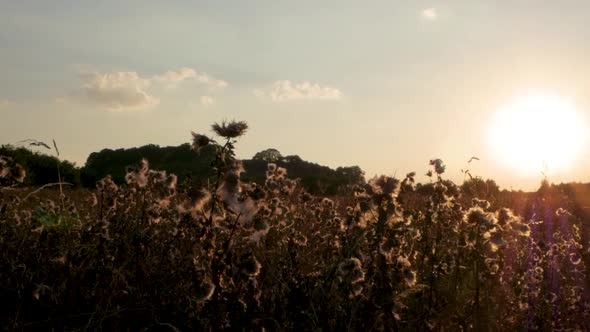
{"type": "Point", "coordinates": [386, 85]}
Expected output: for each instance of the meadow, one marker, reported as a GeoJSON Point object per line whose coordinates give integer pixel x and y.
{"type": "Point", "coordinates": [390, 254]}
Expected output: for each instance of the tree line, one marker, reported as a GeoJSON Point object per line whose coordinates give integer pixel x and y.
{"type": "Point", "coordinates": [180, 160]}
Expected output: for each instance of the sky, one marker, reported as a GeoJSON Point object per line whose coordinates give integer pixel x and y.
{"type": "Point", "coordinates": [385, 85]}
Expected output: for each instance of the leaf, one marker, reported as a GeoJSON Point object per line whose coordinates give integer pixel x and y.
{"type": "Point", "coordinates": [56, 149]}
{"type": "Point", "coordinates": [39, 143]}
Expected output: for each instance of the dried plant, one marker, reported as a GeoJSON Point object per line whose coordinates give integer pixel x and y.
{"type": "Point", "coordinates": [390, 255]}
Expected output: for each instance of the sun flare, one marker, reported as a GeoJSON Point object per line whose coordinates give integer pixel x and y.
{"type": "Point", "coordinates": [538, 133]}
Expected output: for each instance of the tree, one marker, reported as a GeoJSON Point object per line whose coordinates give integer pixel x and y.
{"type": "Point", "coordinates": [269, 155]}
{"type": "Point", "coordinates": [351, 174]}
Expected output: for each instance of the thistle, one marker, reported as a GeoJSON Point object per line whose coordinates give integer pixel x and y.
{"type": "Point", "coordinates": [230, 129]}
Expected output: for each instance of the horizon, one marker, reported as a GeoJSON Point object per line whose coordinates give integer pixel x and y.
{"type": "Point", "coordinates": [386, 87]}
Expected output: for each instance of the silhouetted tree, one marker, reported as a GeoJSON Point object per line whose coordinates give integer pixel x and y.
{"type": "Point", "coordinates": [41, 168]}
{"type": "Point", "coordinates": [269, 155]}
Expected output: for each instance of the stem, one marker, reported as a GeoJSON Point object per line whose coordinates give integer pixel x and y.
{"type": "Point", "coordinates": [45, 186]}
{"type": "Point", "coordinates": [217, 182]}
{"type": "Point", "coordinates": [61, 192]}
{"type": "Point", "coordinates": [476, 279]}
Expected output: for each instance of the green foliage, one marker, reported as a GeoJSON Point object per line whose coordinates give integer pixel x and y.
{"type": "Point", "coordinates": [55, 219]}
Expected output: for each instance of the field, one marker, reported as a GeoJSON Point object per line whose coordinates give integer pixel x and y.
{"type": "Point", "coordinates": [388, 255]}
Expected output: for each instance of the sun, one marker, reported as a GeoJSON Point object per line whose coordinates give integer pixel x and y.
{"type": "Point", "coordinates": [538, 133]}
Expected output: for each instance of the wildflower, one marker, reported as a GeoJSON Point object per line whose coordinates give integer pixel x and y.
{"type": "Point", "coordinates": [403, 262]}
{"type": "Point", "coordinates": [305, 197]}
{"type": "Point", "coordinates": [232, 129]}
{"type": "Point", "coordinates": [350, 270]}
{"type": "Point", "coordinates": [256, 192]}
{"type": "Point", "coordinates": [348, 222]}
{"type": "Point", "coordinates": [385, 185]}
{"type": "Point", "coordinates": [199, 141]}
{"type": "Point", "coordinates": [327, 203]}
{"type": "Point", "coordinates": [476, 215]}
{"type": "Point", "coordinates": [93, 199]}
{"type": "Point", "coordinates": [505, 216]}
{"type": "Point", "coordinates": [409, 277]}
{"type": "Point", "coordinates": [494, 268]}
{"type": "Point", "coordinates": [281, 172]}
{"type": "Point", "coordinates": [439, 166]}
{"type": "Point", "coordinates": [288, 186]}
{"type": "Point", "coordinates": [107, 184]}
{"type": "Point", "coordinates": [245, 208]}
{"type": "Point", "coordinates": [357, 289]}
{"type": "Point", "coordinates": [18, 173]}
{"type": "Point", "coordinates": [300, 239]}
{"type": "Point", "coordinates": [386, 247]}
{"type": "Point", "coordinates": [260, 225]}
{"type": "Point", "coordinates": [229, 187]}
{"type": "Point", "coordinates": [497, 240]}
{"type": "Point", "coordinates": [265, 211]}
{"type": "Point", "coordinates": [257, 236]}
{"type": "Point", "coordinates": [138, 175]}
{"type": "Point", "coordinates": [522, 229]}
{"type": "Point", "coordinates": [364, 206]}
{"type": "Point", "coordinates": [11, 170]}
{"type": "Point", "coordinates": [482, 203]}
{"type": "Point", "coordinates": [203, 197]}
{"type": "Point", "coordinates": [171, 181]}
{"type": "Point", "coordinates": [250, 266]}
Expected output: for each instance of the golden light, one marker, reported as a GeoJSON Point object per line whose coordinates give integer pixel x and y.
{"type": "Point", "coordinates": [538, 133]}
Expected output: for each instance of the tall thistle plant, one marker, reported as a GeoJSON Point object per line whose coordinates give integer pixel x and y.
{"type": "Point", "coordinates": [223, 195]}
{"type": "Point", "coordinates": [224, 164]}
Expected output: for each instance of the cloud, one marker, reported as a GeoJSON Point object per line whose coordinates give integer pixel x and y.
{"type": "Point", "coordinates": [117, 91]}
{"type": "Point", "coordinates": [173, 77]}
{"type": "Point", "coordinates": [429, 13]}
{"type": "Point", "coordinates": [210, 81]}
{"type": "Point", "coordinates": [284, 90]}
{"type": "Point", "coordinates": [206, 101]}
{"type": "Point", "coordinates": [128, 91]}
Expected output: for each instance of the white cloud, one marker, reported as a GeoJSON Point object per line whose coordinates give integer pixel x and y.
{"type": "Point", "coordinates": [429, 13]}
{"type": "Point", "coordinates": [210, 81]}
{"type": "Point", "coordinates": [117, 91]}
{"type": "Point", "coordinates": [284, 90]}
{"type": "Point", "coordinates": [206, 101]}
{"type": "Point", "coordinates": [128, 91]}
{"type": "Point", "coordinates": [172, 77]}
{"type": "Point", "coordinates": [175, 76]}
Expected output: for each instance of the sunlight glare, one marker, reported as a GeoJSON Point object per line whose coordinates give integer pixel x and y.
{"type": "Point", "coordinates": [538, 133]}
